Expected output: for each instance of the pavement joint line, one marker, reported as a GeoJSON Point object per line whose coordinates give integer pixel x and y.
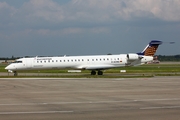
{"type": "Point", "coordinates": [162, 107]}
{"type": "Point", "coordinates": [89, 102]}
{"type": "Point", "coordinates": [49, 78]}
{"type": "Point", "coordinates": [35, 112]}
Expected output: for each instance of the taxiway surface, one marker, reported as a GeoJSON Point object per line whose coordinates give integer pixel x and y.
{"type": "Point", "coordinates": [90, 99]}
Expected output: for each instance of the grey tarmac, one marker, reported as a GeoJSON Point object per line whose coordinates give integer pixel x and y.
{"type": "Point", "coordinates": [90, 99]}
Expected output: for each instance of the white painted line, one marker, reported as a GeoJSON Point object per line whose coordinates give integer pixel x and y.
{"type": "Point", "coordinates": [35, 112]}
{"type": "Point", "coordinates": [163, 107]}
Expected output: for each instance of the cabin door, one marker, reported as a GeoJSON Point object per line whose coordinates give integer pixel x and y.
{"type": "Point", "coordinates": [29, 63]}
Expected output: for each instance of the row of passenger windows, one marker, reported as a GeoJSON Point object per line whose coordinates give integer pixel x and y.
{"type": "Point", "coordinates": [48, 61]}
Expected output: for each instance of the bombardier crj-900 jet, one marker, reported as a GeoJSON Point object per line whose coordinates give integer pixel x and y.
{"type": "Point", "coordinates": [95, 63]}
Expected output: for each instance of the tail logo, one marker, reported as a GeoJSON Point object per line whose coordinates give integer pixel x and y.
{"type": "Point", "coordinates": [151, 50]}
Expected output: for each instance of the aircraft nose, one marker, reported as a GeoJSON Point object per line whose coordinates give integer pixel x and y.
{"type": "Point", "coordinates": [8, 67]}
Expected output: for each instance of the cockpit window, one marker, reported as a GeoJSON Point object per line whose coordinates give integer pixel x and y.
{"type": "Point", "coordinates": [17, 62]}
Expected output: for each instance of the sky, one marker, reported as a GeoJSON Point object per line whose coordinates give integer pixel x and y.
{"type": "Point", "coordinates": [87, 27]}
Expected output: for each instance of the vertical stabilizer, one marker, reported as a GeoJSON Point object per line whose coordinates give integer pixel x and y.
{"type": "Point", "coordinates": [151, 48]}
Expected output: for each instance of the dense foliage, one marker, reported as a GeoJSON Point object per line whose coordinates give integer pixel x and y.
{"type": "Point", "coordinates": [169, 58]}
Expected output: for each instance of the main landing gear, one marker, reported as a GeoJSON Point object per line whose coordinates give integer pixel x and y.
{"type": "Point", "coordinates": [93, 72]}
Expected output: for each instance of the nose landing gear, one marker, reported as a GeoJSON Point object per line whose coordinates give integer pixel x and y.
{"type": "Point", "coordinates": [15, 73]}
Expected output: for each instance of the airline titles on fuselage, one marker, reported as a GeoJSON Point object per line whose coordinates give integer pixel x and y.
{"type": "Point", "coordinates": [44, 58]}
{"type": "Point", "coordinates": [112, 60]}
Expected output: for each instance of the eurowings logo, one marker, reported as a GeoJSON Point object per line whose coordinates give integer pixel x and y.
{"type": "Point", "coordinates": [151, 50]}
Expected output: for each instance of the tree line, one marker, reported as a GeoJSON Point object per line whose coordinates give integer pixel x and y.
{"type": "Point", "coordinates": [168, 57]}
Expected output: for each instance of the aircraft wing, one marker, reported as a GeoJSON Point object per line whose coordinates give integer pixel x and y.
{"type": "Point", "coordinates": [95, 67]}
{"type": "Point", "coordinates": [133, 63]}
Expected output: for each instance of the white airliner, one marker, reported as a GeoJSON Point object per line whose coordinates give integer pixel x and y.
{"type": "Point", "coordinates": [94, 62]}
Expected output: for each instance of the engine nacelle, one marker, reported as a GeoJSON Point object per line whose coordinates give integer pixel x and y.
{"type": "Point", "coordinates": [132, 56]}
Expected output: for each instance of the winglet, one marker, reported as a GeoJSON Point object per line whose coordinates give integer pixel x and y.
{"type": "Point", "coordinates": [151, 48]}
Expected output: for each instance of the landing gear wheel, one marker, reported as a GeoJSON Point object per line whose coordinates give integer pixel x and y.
{"type": "Point", "coordinates": [93, 72]}
{"type": "Point", "coordinates": [15, 73]}
{"type": "Point", "coordinates": [100, 73]}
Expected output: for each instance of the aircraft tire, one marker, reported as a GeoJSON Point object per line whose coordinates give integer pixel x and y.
{"type": "Point", "coordinates": [100, 72]}
{"type": "Point", "coordinates": [15, 73]}
{"type": "Point", "coordinates": [93, 72]}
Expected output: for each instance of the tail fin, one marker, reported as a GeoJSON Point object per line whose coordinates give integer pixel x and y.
{"type": "Point", "coordinates": [151, 48]}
